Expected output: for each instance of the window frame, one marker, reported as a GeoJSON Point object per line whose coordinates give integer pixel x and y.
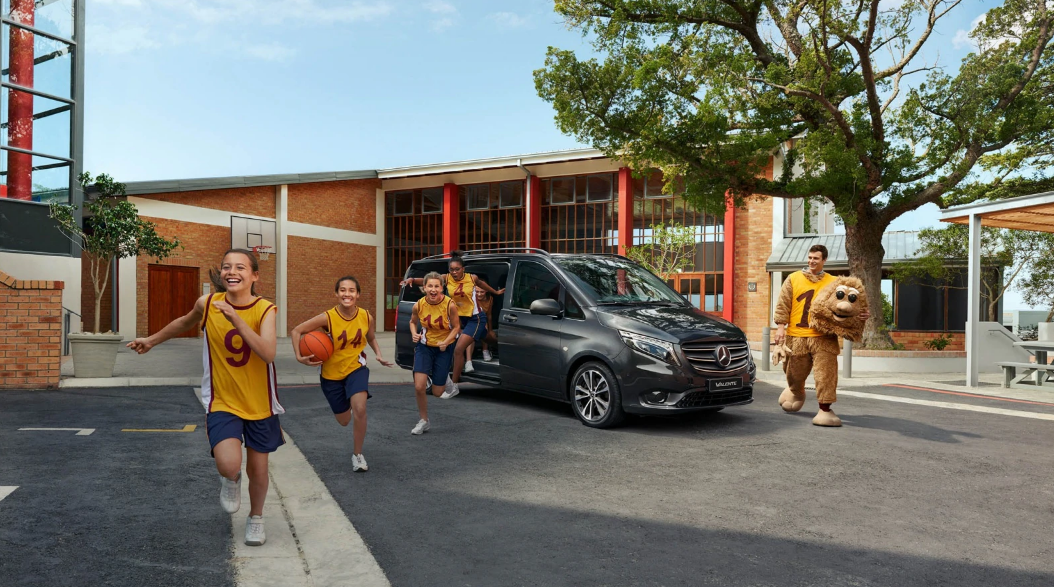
{"type": "Point", "coordinates": [423, 198]}
{"type": "Point", "coordinates": [520, 263]}
{"type": "Point", "coordinates": [469, 190]}
{"type": "Point", "coordinates": [395, 202]}
{"type": "Point", "coordinates": [501, 203]}
{"type": "Point", "coordinates": [611, 187]}
{"type": "Point", "coordinates": [552, 185]}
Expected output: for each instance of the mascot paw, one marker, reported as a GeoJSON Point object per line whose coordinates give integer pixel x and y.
{"type": "Point", "coordinates": [829, 419]}
{"type": "Point", "coordinates": [791, 402]}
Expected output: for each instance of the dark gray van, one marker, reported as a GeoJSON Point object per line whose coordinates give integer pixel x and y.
{"type": "Point", "coordinates": [598, 331]}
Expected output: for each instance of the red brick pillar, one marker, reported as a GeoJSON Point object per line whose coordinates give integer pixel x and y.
{"type": "Point", "coordinates": [625, 210]}
{"type": "Point", "coordinates": [534, 212]}
{"type": "Point", "coordinates": [450, 217]}
{"type": "Point", "coordinates": [30, 333]}
{"type": "Point", "coordinates": [730, 247]}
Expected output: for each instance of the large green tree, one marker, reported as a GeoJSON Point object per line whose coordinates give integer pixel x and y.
{"type": "Point", "coordinates": [840, 90]}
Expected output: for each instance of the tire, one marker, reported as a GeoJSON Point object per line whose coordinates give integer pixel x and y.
{"type": "Point", "coordinates": [595, 396]}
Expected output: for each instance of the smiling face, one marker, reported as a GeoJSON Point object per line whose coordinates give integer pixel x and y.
{"type": "Point", "coordinates": [433, 290]}
{"type": "Point", "coordinates": [237, 274]}
{"type": "Point", "coordinates": [816, 261]}
{"type": "Point", "coordinates": [347, 294]}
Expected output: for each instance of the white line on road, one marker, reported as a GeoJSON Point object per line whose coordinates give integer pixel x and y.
{"type": "Point", "coordinates": [6, 490]}
{"type": "Point", "coordinates": [947, 405]}
{"type": "Point", "coordinates": [80, 431]}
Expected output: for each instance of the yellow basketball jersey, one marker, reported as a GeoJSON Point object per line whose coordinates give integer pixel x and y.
{"type": "Point", "coordinates": [349, 343]}
{"type": "Point", "coordinates": [435, 320]}
{"type": "Point", "coordinates": [804, 292]}
{"type": "Point", "coordinates": [236, 379]}
{"type": "Point", "coordinates": [463, 292]}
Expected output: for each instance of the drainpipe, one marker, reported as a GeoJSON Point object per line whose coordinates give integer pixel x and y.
{"type": "Point", "coordinates": [528, 205]}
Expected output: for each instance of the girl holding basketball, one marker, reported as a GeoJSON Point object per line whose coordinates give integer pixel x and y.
{"type": "Point", "coordinates": [461, 287]}
{"type": "Point", "coordinates": [238, 389]}
{"type": "Point", "coordinates": [437, 318]}
{"type": "Point", "coordinates": [345, 377]}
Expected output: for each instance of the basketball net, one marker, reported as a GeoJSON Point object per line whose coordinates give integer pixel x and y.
{"type": "Point", "coordinates": [263, 252]}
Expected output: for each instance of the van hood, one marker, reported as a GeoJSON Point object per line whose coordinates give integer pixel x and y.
{"type": "Point", "coordinates": [670, 323]}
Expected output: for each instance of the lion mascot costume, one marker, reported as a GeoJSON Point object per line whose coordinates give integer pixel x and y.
{"type": "Point", "coordinates": [833, 312]}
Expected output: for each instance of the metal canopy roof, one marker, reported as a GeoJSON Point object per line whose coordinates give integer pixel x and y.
{"type": "Point", "coordinates": [135, 188]}
{"type": "Point", "coordinates": [1034, 212]}
{"type": "Point", "coordinates": [791, 253]}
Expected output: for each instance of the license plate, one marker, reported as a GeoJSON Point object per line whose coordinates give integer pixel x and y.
{"type": "Point", "coordinates": [726, 384]}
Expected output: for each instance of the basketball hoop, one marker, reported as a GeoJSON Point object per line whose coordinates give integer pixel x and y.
{"type": "Point", "coordinates": [263, 252]}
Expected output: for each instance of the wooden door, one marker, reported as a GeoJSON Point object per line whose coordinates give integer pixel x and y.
{"type": "Point", "coordinates": [171, 291]}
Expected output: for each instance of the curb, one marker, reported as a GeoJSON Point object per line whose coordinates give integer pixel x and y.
{"type": "Point", "coordinates": [91, 382]}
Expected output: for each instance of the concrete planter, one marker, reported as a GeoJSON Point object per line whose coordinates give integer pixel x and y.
{"type": "Point", "coordinates": [94, 355]}
{"type": "Point", "coordinates": [1046, 331]}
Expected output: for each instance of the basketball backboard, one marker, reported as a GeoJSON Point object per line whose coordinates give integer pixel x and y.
{"type": "Point", "coordinates": [247, 233]}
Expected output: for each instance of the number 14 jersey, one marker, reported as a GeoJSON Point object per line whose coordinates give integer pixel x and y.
{"type": "Point", "coordinates": [236, 379]}
{"type": "Point", "coordinates": [349, 343]}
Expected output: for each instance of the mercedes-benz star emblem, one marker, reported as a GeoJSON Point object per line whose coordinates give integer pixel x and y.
{"type": "Point", "coordinates": [724, 357]}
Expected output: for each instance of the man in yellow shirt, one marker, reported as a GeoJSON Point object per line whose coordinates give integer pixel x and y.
{"type": "Point", "coordinates": [810, 351]}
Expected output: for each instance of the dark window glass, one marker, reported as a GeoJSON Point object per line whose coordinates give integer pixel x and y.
{"type": "Point", "coordinates": [403, 203]}
{"type": "Point", "coordinates": [432, 200]}
{"type": "Point", "coordinates": [533, 282]}
{"type": "Point", "coordinates": [653, 189]}
{"type": "Point", "coordinates": [571, 307]}
{"type": "Point", "coordinates": [599, 187]}
{"type": "Point", "coordinates": [511, 194]}
{"type": "Point", "coordinates": [27, 226]}
{"type": "Point", "coordinates": [478, 197]}
{"type": "Point", "coordinates": [920, 306]}
{"type": "Point", "coordinates": [563, 190]}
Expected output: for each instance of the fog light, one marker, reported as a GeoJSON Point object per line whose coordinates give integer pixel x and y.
{"type": "Point", "coordinates": [655, 397]}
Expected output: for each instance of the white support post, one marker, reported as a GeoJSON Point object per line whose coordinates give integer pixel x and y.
{"type": "Point", "coordinates": [973, 301]}
{"type": "Point", "coordinates": [282, 269]}
{"type": "Point", "coordinates": [379, 268]}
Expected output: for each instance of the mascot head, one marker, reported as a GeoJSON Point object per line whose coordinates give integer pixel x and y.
{"type": "Point", "coordinates": [837, 308]}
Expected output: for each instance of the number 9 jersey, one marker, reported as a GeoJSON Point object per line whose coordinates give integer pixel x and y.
{"type": "Point", "coordinates": [349, 343]}
{"type": "Point", "coordinates": [237, 380]}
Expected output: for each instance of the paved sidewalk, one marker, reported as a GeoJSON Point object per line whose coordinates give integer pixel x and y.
{"type": "Point", "coordinates": [178, 362]}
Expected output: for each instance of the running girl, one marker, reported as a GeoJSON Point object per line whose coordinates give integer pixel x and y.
{"type": "Point", "coordinates": [461, 287]}
{"type": "Point", "coordinates": [238, 388]}
{"type": "Point", "coordinates": [345, 377]}
{"type": "Point", "coordinates": [437, 317]}
{"type": "Point", "coordinates": [485, 301]}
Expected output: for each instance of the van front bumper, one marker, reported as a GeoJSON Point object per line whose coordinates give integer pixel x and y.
{"type": "Point", "coordinates": [652, 386]}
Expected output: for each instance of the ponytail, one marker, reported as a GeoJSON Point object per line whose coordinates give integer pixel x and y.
{"type": "Point", "coordinates": [214, 272]}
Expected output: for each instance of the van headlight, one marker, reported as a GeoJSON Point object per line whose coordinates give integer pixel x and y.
{"type": "Point", "coordinates": [660, 349]}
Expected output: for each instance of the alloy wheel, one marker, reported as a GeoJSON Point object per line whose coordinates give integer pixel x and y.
{"type": "Point", "coordinates": [592, 395]}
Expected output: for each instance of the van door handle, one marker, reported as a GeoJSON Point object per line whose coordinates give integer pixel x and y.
{"type": "Point", "coordinates": [509, 318]}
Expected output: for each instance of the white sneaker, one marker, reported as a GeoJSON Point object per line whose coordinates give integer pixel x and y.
{"type": "Point", "coordinates": [487, 356]}
{"type": "Point", "coordinates": [451, 391]}
{"type": "Point", "coordinates": [468, 367]}
{"type": "Point", "coordinates": [421, 428]}
{"type": "Point", "coordinates": [358, 463]}
{"type": "Point", "coordinates": [230, 494]}
{"type": "Point", "coordinates": [254, 531]}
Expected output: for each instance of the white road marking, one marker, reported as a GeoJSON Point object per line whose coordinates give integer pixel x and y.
{"type": "Point", "coordinates": [80, 431]}
{"type": "Point", "coordinates": [6, 490]}
{"type": "Point", "coordinates": [948, 405]}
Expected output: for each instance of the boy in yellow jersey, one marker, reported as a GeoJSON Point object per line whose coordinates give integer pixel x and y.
{"type": "Point", "coordinates": [344, 377]}
{"type": "Point", "coordinates": [810, 351]}
{"type": "Point", "coordinates": [436, 316]}
{"type": "Point", "coordinates": [238, 388]}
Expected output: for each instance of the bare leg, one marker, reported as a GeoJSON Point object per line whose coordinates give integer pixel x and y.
{"type": "Point", "coordinates": [256, 468]}
{"type": "Point", "coordinates": [228, 455]}
{"type": "Point", "coordinates": [459, 357]}
{"type": "Point", "coordinates": [344, 418]}
{"type": "Point", "coordinates": [420, 392]}
{"type": "Point", "coordinates": [358, 407]}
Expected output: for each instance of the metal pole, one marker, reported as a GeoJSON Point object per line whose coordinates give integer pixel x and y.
{"type": "Point", "coordinates": [973, 300]}
{"type": "Point", "coordinates": [847, 358]}
{"type": "Point", "coordinates": [765, 354]}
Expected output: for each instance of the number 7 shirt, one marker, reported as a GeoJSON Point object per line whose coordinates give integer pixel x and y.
{"type": "Point", "coordinates": [349, 343]}
{"type": "Point", "coordinates": [236, 379]}
{"type": "Point", "coordinates": [795, 301]}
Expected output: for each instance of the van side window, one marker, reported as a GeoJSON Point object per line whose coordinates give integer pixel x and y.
{"type": "Point", "coordinates": [571, 307]}
{"type": "Point", "coordinates": [533, 282]}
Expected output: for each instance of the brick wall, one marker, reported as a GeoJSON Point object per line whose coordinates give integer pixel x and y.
{"type": "Point", "coordinates": [88, 298]}
{"type": "Point", "coordinates": [916, 341]}
{"type": "Point", "coordinates": [257, 201]}
{"type": "Point", "coordinates": [314, 267]}
{"type": "Point", "coordinates": [30, 333]}
{"type": "Point", "coordinates": [349, 205]}
{"type": "Point", "coordinates": [753, 246]}
{"type": "Point", "coordinates": [204, 246]}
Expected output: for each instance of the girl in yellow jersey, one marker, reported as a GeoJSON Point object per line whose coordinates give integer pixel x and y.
{"type": "Point", "coordinates": [238, 388]}
{"type": "Point", "coordinates": [345, 377]}
{"type": "Point", "coordinates": [436, 316]}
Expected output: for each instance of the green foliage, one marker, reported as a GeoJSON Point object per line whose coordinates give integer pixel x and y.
{"type": "Point", "coordinates": [887, 312]}
{"type": "Point", "coordinates": [938, 343]}
{"type": "Point", "coordinates": [669, 250]}
{"type": "Point", "coordinates": [1037, 287]}
{"type": "Point", "coordinates": [112, 230]}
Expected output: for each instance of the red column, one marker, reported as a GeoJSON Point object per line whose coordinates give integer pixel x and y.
{"type": "Point", "coordinates": [534, 213]}
{"type": "Point", "coordinates": [730, 247]}
{"type": "Point", "coordinates": [450, 217]}
{"type": "Point", "coordinates": [20, 104]}
{"type": "Point", "coordinates": [625, 210]}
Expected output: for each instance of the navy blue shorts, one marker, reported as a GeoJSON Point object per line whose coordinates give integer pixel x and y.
{"type": "Point", "coordinates": [474, 326]}
{"type": "Point", "coordinates": [260, 435]}
{"type": "Point", "coordinates": [339, 391]}
{"type": "Point", "coordinates": [433, 362]}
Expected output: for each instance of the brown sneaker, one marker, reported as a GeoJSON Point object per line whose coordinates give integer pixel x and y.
{"type": "Point", "coordinates": [790, 402]}
{"type": "Point", "coordinates": [830, 419]}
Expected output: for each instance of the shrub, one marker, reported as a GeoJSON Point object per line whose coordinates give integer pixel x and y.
{"type": "Point", "coordinates": [938, 343]}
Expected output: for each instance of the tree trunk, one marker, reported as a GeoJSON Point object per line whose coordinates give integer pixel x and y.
{"type": "Point", "coordinates": [100, 288]}
{"type": "Point", "coordinates": [863, 244]}
{"type": "Point", "coordinates": [993, 308]}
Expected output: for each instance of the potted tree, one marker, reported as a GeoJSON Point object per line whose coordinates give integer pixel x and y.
{"type": "Point", "coordinates": [112, 230]}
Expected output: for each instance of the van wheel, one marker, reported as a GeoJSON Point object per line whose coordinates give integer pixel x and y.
{"type": "Point", "coordinates": [595, 396]}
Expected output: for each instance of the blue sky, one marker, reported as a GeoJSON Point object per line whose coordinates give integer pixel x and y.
{"type": "Point", "coordinates": [197, 88]}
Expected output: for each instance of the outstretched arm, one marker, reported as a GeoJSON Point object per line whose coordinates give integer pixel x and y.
{"type": "Point", "coordinates": [174, 328]}
{"type": "Point", "coordinates": [371, 338]}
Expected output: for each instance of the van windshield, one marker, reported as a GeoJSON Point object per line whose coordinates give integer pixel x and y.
{"type": "Point", "coordinates": [612, 280]}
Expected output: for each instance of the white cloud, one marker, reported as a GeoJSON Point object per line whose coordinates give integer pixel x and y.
{"type": "Point", "coordinates": [962, 37]}
{"type": "Point", "coordinates": [444, 14]}
{"type": "Point", "coordinates": [119, 41]}
{"type": "Point", "coordinates": [119, 2]}
{"type": "Point", "coordinates": [269, 52]}
{"type": "Point", "coordinates": [508, 20]}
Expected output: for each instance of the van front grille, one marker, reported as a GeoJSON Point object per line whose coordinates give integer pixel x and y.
{"type": "Point", "coordinates": [703, 356]}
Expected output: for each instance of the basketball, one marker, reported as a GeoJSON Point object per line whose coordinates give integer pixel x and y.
{"type": "Point", "coordinates": [316, 343]}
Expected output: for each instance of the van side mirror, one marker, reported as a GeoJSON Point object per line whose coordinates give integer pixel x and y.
{"type": "Point", "coordinates": [546, 307]}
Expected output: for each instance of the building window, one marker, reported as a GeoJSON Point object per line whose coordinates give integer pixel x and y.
{"type": "Point", "coordinates": [576, 220]}
{"type": "Point", "coordinates": [649, 186]}
{"type": "Point", "coordinates": [599, 188]}
{"type": "Point", "coordinates": [432, 201]}
{"type": "Point", "coordinates": [562, 191]}
{"type": "Point", "coordinates": [511, 194]}
{"type": "Point", "coordinates": [408, 236]}
{"type": "Point", "coordinates": [402, 202]}
{"type": "Point", "coordinates": [477, 197]}
{"type": "Point", "coordinates": [487, 220]}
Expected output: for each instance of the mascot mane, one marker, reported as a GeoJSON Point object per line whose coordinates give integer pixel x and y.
{"type": "Point", "coordinates": [841, 317]}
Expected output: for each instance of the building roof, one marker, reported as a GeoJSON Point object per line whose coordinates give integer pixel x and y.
{"type": "Point", "coordinates": [491, 163]}
{"type": "Point", "coordinates": [1034, 212]}
{"type": "Point", "coordinates": [791, 253]}
{"type": "Point", "coordinates": [135, 188]}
